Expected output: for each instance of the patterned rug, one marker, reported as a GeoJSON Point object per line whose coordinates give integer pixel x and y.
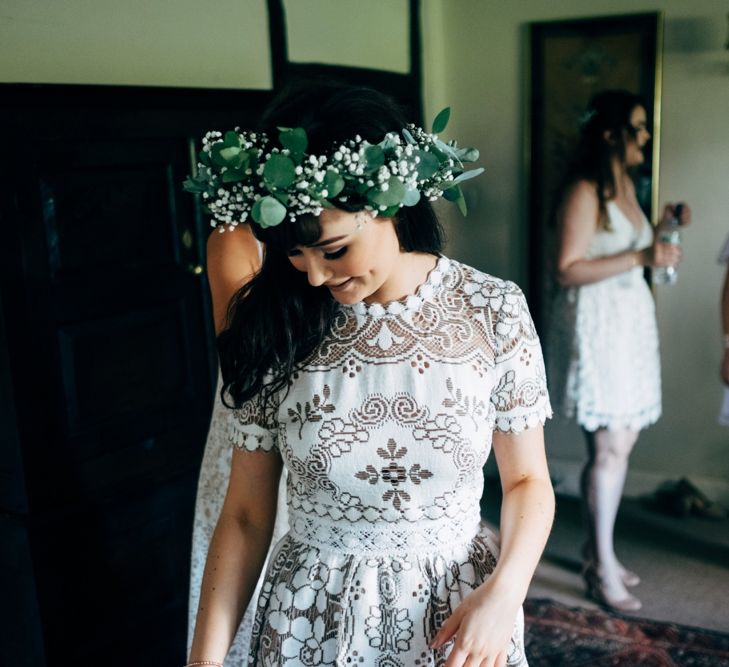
{"type": "Point", "coordinates": [560, 636]}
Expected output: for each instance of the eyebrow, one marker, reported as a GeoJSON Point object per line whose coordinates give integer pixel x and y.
{"type": "Point", "coordinates": [334, 239]}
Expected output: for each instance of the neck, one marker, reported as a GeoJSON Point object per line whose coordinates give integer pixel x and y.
{"type": "Point", "coordinates": [412, 271]}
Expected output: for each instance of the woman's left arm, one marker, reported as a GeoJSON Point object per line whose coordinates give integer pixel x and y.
{"type": "Point", "coordinates": [484, 622]}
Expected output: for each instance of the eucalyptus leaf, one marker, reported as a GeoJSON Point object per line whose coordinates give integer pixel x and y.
{"type": "Point", "coordinates": [467, 154]}
{"type": "Point", "coordinates": [467, 175]}
{"type": "Point", "coordinates": [233, 176]}
{"type": "Point", "coordinates": [408, 136]}
{"type": "Point", "coordinates": [375, 157]}
{"type": "Point", "coordinates": [231, 139]}
{"type": "Point", "coordinates": [268, 212]}
{"type": "Point", "coordinates": [295, 140]}
{"type": "Point", "coordinates": [192, 185]}
{"type": "Point", "coordinates": [229, 153]}
{"type": "Point", "coordinates": [393, 196]}
{"type": "Point", "coordinates": [411, 198]}
{"type": "Point", "coordinates": [451, 194]}
{"type": "Point", "coordinates": [445, 148]}
{"type": "Point", "coordinates": [333, 183]}
{"type": "Point", "coordinates": [455, 195]}
{"type": "Point", "coordinates": [389, 212]}
{"type": "Point", "coordinates": [428, 165]}
{"type": "Point", "coordinates": [279, 171]}
{"type": "Point", "coordinates": [204, 158]}
{"type": "Point", "coordinates": [215, 156]}
{"type": "Point", "coordinates": [441, 120]}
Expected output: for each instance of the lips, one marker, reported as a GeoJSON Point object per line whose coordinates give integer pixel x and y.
{"type": "Point", "coordinates": [340, 286]}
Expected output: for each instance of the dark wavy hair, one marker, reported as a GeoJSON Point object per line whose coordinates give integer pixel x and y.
{"type": "Point", "coordinates": [608, 111]}
{"type": "Point", "coordinates": [277, 319]}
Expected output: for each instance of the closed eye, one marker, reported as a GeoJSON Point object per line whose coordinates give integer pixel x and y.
{"type": "Point", "coordinates": [336, 254]}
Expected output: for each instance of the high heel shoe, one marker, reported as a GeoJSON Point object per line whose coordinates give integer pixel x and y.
{"type": "Point", "coordinates": [628, 577]}
{"type": "Point", "coordinates": [597, 591]}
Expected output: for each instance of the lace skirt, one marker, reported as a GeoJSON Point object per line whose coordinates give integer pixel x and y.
{"type": "Point", "coordinates": [372, 603]}
{"type": "Point", "coordinates": [603, 364]}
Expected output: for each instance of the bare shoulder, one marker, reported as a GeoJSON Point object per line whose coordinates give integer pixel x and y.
{"type": "Point", "coordinates": [581, 204]}
{"type": "Point", "coordinates": [233, 258]}
{"type": "Point", "coordinates": [238, 241]}
{"type": "Point", "coordinates": [583, 191]}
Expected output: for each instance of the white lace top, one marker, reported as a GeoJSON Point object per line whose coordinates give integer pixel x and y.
{"type": "Point", "coordinates": [384, 434]}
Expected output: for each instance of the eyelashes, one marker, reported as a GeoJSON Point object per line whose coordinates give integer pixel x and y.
{"type": "Point", "coordinates": [327, 255]}
{"type": "Point", "coordinates": [336, 254]}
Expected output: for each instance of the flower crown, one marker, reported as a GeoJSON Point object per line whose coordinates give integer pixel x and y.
{"type": "Point", "coordinates": [241, 175]}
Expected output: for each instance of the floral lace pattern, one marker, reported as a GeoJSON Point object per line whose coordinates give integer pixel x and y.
{"type": "Point", "coordinates": [384, 433]}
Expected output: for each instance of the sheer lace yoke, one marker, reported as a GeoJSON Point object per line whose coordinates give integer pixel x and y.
{"type": "Point", "coordinates": [411, 303]}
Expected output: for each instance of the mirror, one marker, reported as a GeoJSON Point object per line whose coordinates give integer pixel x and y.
{"type": "Point", "coordinates": [570, 62]}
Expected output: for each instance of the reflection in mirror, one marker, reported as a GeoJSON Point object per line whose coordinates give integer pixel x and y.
{"type": "Point", "coordinates": [570, 62]}
{"type": "Point", "coordinates": [591, 184]}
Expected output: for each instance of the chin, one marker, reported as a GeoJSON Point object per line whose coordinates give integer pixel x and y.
{"type": "Point", "coordinates": [346, 299]}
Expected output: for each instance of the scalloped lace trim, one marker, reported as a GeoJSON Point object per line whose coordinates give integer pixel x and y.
{"type": "Point", "coordinates": [592, 421]}
{"type": "Point", "coordinates": [411, 303]}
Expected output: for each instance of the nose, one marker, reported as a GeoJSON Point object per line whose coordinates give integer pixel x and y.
{"type": "Point", "coordinates": [315, 272]}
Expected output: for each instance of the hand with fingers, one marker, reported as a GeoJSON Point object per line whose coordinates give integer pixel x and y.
{"type": "Point", "coordinates": [662, 254]}
{"type": "Point", "coordinates": [681, 210]}
{"type": "Point", "coordinates": [482, 625]}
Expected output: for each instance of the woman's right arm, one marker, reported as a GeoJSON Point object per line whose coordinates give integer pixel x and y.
{"type": "Point", "coordinates": [237, 551]}
{"type": "Point", "coordinates": [579, 220]}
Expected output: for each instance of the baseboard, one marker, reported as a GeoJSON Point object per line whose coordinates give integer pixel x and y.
{"type": "Point", "coordinates": [566, 478]}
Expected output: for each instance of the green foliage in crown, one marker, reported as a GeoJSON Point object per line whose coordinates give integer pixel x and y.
{"type": "Point", "coordinates": [242, 175]}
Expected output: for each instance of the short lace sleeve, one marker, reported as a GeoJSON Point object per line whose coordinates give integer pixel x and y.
{"type": "Point", "coordinates": [250, 430]}
{"type": "Point", "coordinates": [519, 396]}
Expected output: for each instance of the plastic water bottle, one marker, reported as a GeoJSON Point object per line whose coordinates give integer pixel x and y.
{"type": "Point", "coordinates": [670, 232]}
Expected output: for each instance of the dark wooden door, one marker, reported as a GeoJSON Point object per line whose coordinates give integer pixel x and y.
{"type": "Point", "coordinates": [111, 359]}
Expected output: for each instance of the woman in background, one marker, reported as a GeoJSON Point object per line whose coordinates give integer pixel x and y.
{"type": "Point", "coordinates": [603, 358]}
{"type": "Point", "coordinates": [233, 258]}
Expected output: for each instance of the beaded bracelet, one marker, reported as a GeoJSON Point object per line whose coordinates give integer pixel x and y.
{"type": "Point", "coordinates": [198, 663]}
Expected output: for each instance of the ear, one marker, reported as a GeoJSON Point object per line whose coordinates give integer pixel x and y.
{"type": "Point", "coordinates": [608, 136]}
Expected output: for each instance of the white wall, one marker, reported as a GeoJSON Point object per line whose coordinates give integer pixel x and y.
{"type": "Point", "coordinates": [372, 34]}
{"type": "Point", "coordinates": [195, 43]}
{"type": "Point", "coordinates": [475, 59]}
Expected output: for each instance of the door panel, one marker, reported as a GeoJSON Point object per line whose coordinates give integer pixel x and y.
{"type": "Point", "coordinates": [111, 357]}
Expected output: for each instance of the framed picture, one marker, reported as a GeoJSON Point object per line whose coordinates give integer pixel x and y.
{"type": "Point", "coordinates": [569, 62]}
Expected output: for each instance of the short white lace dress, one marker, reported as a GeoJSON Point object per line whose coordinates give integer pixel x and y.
{"type": "Point", "coordinates": [384, 434]}
{"type": "Point", "coordinates": [602, 347]}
